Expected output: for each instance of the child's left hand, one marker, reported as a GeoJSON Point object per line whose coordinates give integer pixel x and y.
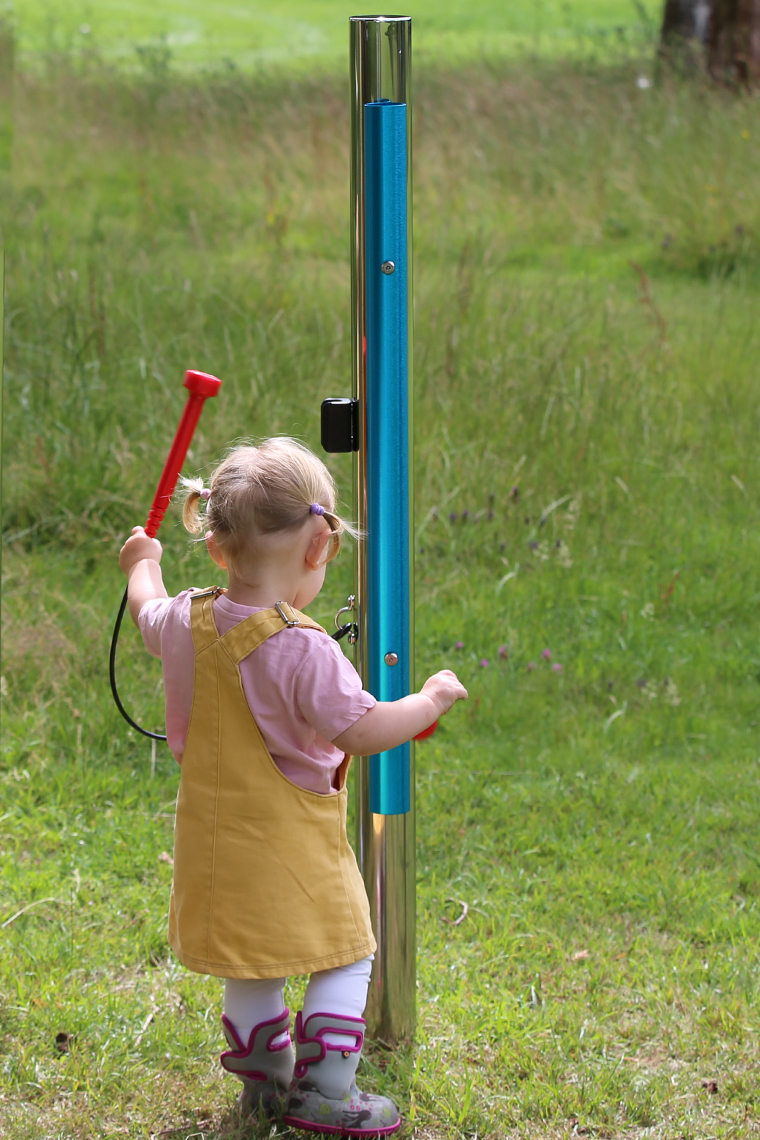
{"type": "Point", "coordinates": [137, 547]}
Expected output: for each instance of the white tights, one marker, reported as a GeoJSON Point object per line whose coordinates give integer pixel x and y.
{"type": "Point", "coordinates": [249, 1001]}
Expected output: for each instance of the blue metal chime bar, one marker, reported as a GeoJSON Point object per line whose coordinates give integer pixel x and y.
{"type": "Point", "coordinates": [387, 434]}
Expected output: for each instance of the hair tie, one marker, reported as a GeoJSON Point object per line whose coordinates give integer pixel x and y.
{"type": "Point", "coordinates": [205, 494]}
{"type": "Point", "coordinates": [316, 509]}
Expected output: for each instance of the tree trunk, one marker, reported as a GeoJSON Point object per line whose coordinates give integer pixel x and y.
{"type": "Point", "coordinates": [687, 19]}
{"type": "Point", "coordinates": [733, 43]}
{"type": "Point", "coordinates": [684, 32]}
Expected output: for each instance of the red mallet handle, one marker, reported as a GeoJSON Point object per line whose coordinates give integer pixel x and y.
{"type": "Point", "coordinates": [426, 732]}
{"type": "Point", "coordinates": [200, 386]}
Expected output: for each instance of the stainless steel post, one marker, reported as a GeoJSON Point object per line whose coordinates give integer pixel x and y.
{"type": "Point", "coordinates": [381, 329]}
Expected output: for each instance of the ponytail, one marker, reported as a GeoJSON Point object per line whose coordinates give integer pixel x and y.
{"type": "Point", "coordinates": [191, 516]}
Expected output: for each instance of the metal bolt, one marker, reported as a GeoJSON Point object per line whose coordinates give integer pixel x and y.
{"type": "Point", "coordinates": [388, 266]}
{"type": "Point", "coordinates": [391, 659]}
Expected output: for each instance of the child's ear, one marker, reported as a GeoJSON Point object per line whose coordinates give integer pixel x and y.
{"type": "Point", "coordinates": [214, 551]}
{"type": "Point", "coordinates": [315, 551]}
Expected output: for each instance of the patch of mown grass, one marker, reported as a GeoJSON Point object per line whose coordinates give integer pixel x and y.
{"type": "Point", "coordinates": [586, 480]}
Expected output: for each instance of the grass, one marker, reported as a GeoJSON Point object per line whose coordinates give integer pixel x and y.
{"type": "Point", "coordinates": [313, 32]}
{"type": "Point", "coordinates": [587, 482]}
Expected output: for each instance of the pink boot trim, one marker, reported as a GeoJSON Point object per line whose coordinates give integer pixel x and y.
{"type": "Point", "coordinates": [234, 1059]}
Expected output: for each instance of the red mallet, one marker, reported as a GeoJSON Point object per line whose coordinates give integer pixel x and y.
{"type": "Point", "coordinates": [200, 386]}
{"type": "Point", "coordinates": [426, 732]}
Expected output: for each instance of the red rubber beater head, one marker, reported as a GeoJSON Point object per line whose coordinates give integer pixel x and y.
{"type": "Point", "coordinates": [426, 732]}
{"type": "Point", "coordinates": [202, 383]}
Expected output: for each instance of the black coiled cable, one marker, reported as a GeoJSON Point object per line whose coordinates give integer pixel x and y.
{"type": "Point", "coordinates": [344, 629]}
{"type": "Point", "coordinates": [112, 676]}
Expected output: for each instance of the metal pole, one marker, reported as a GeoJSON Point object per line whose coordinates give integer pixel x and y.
{"type": "Point", "coordinates": [381, 327]}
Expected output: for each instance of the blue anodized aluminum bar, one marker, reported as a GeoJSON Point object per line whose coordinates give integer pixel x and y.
{"type": "Point", "coordinates": [387, 426]}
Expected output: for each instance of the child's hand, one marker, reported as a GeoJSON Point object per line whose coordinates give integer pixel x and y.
{"type": "Point", "coordinates": [391, 723]}
{"type": "Point", "coordinates": [444, 689]}
{"type": "Point", "coordinates": [137, 547]}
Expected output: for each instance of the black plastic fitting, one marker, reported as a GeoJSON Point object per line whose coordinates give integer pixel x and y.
{"type": "Point", "coordinates": [340, 425]}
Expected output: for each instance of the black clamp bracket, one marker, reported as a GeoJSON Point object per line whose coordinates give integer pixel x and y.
{"type": "Point", "coordinates": [340, 425]}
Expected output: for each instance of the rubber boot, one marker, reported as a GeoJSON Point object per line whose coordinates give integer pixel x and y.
{"type": "Point", "coordinates": [323, 1095]}
{"type": "Point", "coordinates": [266, 1069]}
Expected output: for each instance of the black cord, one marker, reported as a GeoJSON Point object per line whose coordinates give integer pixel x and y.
{"type": "Point", "coordinates": [344, 629]}
{"type": "Point", "coordinates": [349, 627]}
{"type": "Point", "coordinates": [112, 676]}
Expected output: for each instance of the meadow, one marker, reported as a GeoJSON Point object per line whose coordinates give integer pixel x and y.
{"type": "Point", "coordinates": [311, 34]}
{"type": "Point", "coordinates": [587, 404]}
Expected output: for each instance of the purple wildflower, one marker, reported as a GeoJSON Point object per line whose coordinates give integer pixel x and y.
{"type": "Point", "coordinates": [531, 666]}
{"type": "Point", "coordinates": [453, 516]}
{"type": "Point", "coordinates": [556, 667]}
{"type": "Point", "coordinates": [465, 514]}
{"type": "Point", "coordinates": [484, 663]}
{"type": "Point", "coordinates": [459, 645]}
{"type": "Point", "coordinates": [503, 651]}
{"type": "Point", "coordinates": [547, 654]}
{"type": "Point", "coordinates": [515, 491]}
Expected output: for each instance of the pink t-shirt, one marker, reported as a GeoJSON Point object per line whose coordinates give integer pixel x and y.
{"type": "Point", "coordinates": [301, 689]}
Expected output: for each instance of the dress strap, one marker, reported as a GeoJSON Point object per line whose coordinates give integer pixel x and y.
{"type": "Point", "coordinates": [202, 621]}
{"type": "Point", "coordinates": [253, 631]}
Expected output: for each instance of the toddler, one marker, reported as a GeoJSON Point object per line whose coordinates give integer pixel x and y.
{"type": "Point", "coordinates": [263, 712]}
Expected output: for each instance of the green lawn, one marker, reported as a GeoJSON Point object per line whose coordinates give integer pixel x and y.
{"type": "Point", "coordinates": [314, 31]}
{"type": "Point", "coordinates": [587, 369]}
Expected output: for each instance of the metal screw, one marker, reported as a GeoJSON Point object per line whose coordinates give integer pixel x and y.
{"type": "Point", "coordinates": [388, 267]}
{"type": "Point", "coordinates": [391, 659]}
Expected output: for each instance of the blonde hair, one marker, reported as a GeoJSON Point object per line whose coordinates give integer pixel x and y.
{"type": "Point", "coordinates": [261, 490]}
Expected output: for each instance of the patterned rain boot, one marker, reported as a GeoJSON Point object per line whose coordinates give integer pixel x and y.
{"type": "Point", "coordinates": [323, 1095]}
{"type": "Point", "coordinates": [266, 1069]}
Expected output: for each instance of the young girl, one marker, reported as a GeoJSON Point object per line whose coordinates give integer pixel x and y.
{"type": "Point", "coordinates": [263, 712]}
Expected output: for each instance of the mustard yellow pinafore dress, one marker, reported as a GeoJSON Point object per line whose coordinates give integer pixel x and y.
{"type": "Point", "coordinates": [265, 882]}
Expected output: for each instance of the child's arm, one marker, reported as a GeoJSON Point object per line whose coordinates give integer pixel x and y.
{"type": "Point", "coordinates": [391, 723]}
{"type": "Point", "coordinates": [139, 558]}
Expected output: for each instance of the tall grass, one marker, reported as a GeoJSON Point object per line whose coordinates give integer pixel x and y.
{"type": "Point", "coordinates": [308, 35]}
{"type": "Point", "coordinates": [160, 224]}
{"type": "Point", "coordinates": [586, 479]}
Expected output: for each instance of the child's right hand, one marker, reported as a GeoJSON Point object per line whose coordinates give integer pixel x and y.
{"type": "Point", "coordinates": [390, 723]}
{"type": "Point", "coordinates": [444, 689]}
{"type": "Point", "coordinates": [137, 547]}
